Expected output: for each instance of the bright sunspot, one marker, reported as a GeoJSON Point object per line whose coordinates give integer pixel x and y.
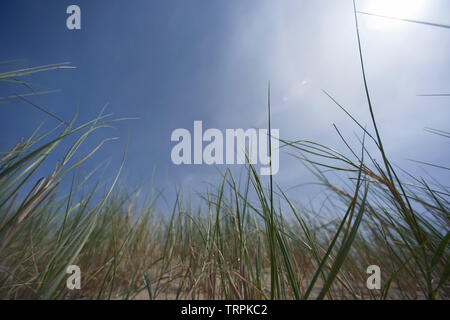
{"type": "Point", "coordinates": [406, 9]}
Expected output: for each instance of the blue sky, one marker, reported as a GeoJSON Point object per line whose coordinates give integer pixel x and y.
{"type": "Point", "coordinates": [172, 62]}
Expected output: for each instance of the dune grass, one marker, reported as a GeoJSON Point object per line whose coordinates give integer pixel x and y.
{"type": "Point", "coordinates": [247, 240]}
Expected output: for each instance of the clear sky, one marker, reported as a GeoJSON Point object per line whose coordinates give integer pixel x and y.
{"type": "Point", "coordinates": [172, 62]}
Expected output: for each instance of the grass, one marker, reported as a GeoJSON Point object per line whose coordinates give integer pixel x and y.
{"type": "Point", "coordinates": [247, 240]}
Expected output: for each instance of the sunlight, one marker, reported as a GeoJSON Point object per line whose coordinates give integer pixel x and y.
{"type": "Point", "coordinates": [408, 9]}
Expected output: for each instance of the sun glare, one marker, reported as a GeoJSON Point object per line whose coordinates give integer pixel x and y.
{"type": "Point", "coordinates": [406, 9]}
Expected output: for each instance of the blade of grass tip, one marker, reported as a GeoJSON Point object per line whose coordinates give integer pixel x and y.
{"type": "Point", "coordinates": [42, 109]}
{"type": "Point", "coordinates": [351, 117]}
{"type": "Point", "coordinates": [429, 164]}
{"type": "Point", "coordinates": [16, 73]}
{"type": "Point", "coordinates": [27, 94]}
{"type": "Point", "coordinates": [442, 206]}
{"type": "Point", "coordinates": [434, 95]}
{"type": "Point", "coordinates": [366, 89]}
{"type": "Point", "coordinates": [406, 20]}
{"type": "Point", "coordinates": [438, 132]}
{"type": "Point", "coordinates": [86, 156]}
